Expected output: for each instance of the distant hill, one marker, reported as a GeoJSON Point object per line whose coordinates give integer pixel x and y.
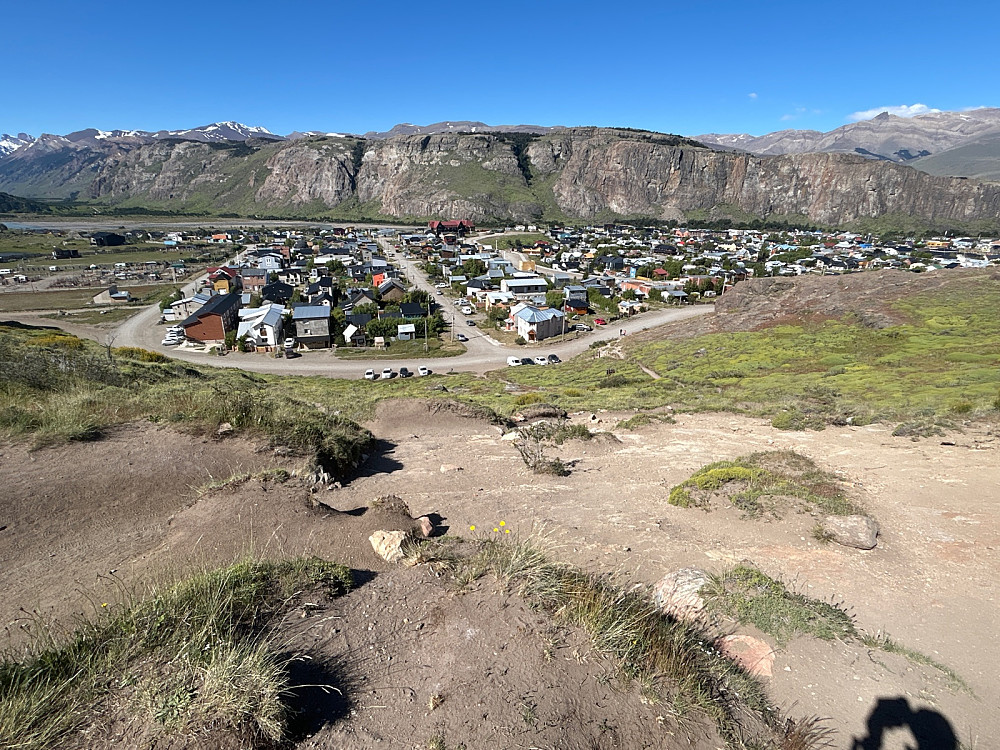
{"type": "Point", "coordinates": [885, 137]}
{"type": "Point", "coordinates": [979, 159]}
{"type": "Point", "coordinates": [461, 126]}
{"type": "Point", "coordinates": [11, 204]}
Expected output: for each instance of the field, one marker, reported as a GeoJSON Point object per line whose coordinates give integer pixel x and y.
{"type": "Point", "coordinates": [74, 299]}
{"type": "Point", "coordinates": [42, 245]}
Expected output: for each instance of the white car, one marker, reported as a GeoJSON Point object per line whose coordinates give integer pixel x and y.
{"type": "Point", "coordinates": [541, 360]}
{"type": "Point", "coordinates": [466, 310]}
{"type": "Point", "coordinates": [513, 361]}
{"type": "Point", "coordinates": [172, 342]}
{"type": "Point", "coordinates": [423, 371]}
{"type": "Point", "coordinates": [387, 373]}
{"type": "Point", "coordinates": [442, 285]}
{"type": "Point", "coordinates": [369, 374]}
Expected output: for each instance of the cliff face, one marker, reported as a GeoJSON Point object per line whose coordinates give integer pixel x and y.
{"type": "Point", "coordinates": [579, 173]}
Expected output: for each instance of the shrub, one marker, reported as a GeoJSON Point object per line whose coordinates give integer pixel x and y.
{"type": "Point", "coordinates": [520, 341]}
{"type": "Point", "coordinates": [140, 355]}
{"type": "Point", "coordinates": [795, 419]}
{"type": "Point", "coordinates": [526, 399]}
{"type": "Point", "coordinates": [613, 381]}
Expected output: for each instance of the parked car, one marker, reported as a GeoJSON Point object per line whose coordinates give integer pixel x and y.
{"type": "Point", "coordinates": [470, 322]}
{"type": "Point", "coordinates": [289, 344]}
{"type": "Point", "coordinates": [172, 342]}
{"type": "Point", "coordinates": [513, 361]}
{"type": "Point", "coordinates": [466, 310]}
{"type": "Point", "coordinates": [461, 337]}
{"type": "Point", "coordinates": [541, 360]}
{"type": "Point", "coordinates": [387, 373]}
{"type": "Point", "coordinates": [369, 374]}
{"type": "Point", "coordinates": [404, 373]}
{"type": "Point", "coordinates": [527, 361]}
{"type": "Point", "coordinates": [440, 292]}
{"type": "Point", "coordinates": [582, 327]}
{"type": "Point", "coordinates": [423, 371]}
{"type": "Point", "coordinates": [441, 285]}
{"type": "Point", "coordinates": [554, 359]}
{"type": "Point", "coordinates": [600, 322]}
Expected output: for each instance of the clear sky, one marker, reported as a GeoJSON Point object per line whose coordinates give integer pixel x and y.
{"type": "Point", "coordinates": [686, 68]}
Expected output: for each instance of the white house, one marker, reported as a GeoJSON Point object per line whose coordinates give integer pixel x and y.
{"type": "Point", "coordinates": [534, 324]}
{"type": "Point", "coordinates": [261, 325]}
{"type": "Point", "coordinates": [406, 331]}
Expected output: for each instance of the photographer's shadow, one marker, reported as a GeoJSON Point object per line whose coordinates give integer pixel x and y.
{"type": "Point", "coordinates": [929, 729]}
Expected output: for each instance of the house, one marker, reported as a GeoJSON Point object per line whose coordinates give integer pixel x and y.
{"type": "Point", "coordinates": [213, 320]}
{"type": "Point", "coordinates": [106, 239]}
{"type": "Point", "coordinates": [534, 324]}
{"type": "Point", "coordinates": [460, 227]}
{"type": "Point", "coordinates": [577, 306]}
{"type": "Point", "coordinates": [391, 290]}
{"type": "Point", "coordinates": [504, 299]}
{"type": "Point", "coordinates": [277, 292]}
{"type": "Point", "coordinates": [183, 308]}
{"type": "Point", "coordinates": [111, 296]}
{"type": "Point", "coordinates": [253, 279]}
{"type": "Point", "coordinates": [224, 279]}
{"type": "Point", "coordinates": [629, 307]}
{"type": "Point", "coordinates": [262, 326]}
{"type": "Point", "coordinates": [412, 310]}
{"type": "Point", "coordinates": [524, 287]}
{"type": "Point", "coordinates": [312, 325]}
{"type": "Point", "coordinates": [406, 331]}
{"type": "Point", "coordinates": [358, 298]}
{"type": "Point", "coordinates": [354, 336]}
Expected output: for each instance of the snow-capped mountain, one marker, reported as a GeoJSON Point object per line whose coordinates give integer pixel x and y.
{"type": "Point", "coordinates": [11, 143]}
{"type": "Point", "coordinates": [219, 131]}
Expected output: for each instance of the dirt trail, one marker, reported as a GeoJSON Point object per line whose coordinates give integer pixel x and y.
{"type": "Point", "coordinates": [930, 583]}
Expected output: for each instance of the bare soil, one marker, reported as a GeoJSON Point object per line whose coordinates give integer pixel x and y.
{"type": "Point", "coordinates": [503, 676]}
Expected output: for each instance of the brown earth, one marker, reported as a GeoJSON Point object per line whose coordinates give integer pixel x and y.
{"type": "Point", "coordinates": [129, 503]}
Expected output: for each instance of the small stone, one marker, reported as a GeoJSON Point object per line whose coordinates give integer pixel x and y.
{"type": "Point", "coordinates": [753, 654]}
{"type": "Point", "coordinates": [860, 532]}
{"type": "Point", "coordinates": [226, 428]}
{"type": "Point", "coordinates": [425, 526]}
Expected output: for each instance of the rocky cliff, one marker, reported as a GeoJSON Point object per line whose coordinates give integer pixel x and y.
{"type": "Point", "coordinates": [576, 173]}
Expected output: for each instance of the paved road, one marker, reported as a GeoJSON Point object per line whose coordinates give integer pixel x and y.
{"type": "Point", "coordinates": [483, 353]}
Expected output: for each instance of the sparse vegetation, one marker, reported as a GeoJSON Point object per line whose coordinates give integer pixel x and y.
{"type": "Point", "coordinates": [675, 663]}
{"type": "Point", "coordinates": [188, 658]}
{"type": "Point", "coordinates": [756, 483]}
{"type": "Point", "coordinates": [751, 597]}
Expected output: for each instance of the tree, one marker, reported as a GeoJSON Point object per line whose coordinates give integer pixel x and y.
{"type": "Point", "coordinates": [473, 267]}
{"type": "Point", "coordinates": [366, 309]}
{"type": "Point", "coordinates": [655, 295]}
{"type": "Point", "coordinates": [555, 298]}
{"type": "Point", "coordinates": [384, 327]}
{"type": "Point", "coordinates": [335, 268]}
{"type": "Point", "coordinates": [417, 297]}
{"type": "Point", "coordinates": [497, 313]}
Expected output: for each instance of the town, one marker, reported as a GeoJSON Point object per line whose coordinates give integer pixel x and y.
{"type": "Point", "coordinates": [282, 292]}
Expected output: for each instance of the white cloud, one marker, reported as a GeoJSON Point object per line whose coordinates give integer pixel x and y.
{"type": "Point", "coordinates": [900, 110]}
{"type": "Point", "coordinates": [752, 94]}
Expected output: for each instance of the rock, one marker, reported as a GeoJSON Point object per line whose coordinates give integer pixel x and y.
{"type": "Point", "coordinates": [753, 654]}
{"type": "Point", "coordinates": [446, 468]}
{"type": "Point", "coordinates": [512, 435]}
{"type": "Point", "coordinates": [388, 544]}
{"type": "Point", "coordinates": [225, 428]}
{"type": "Point", "coordinates": [677, 593]}
{"type": "Point", "coordinates": [425, 526]}
{"type": "Point", "coordinates": [860, 532]}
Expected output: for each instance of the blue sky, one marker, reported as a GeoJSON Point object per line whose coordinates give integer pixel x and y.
{"type": "Point", "coordinates": [354, 67]}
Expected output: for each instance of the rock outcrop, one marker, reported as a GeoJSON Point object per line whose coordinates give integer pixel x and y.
{"type": "Point", "coordinates": [574, 173]}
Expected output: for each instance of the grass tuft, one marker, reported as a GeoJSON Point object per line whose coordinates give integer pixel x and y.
{"type": "Point", "coordinates": [755, 482]}
{"type": "Point", "coordinates": [188, 658]}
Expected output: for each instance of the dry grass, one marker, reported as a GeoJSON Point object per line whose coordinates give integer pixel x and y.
{"type": "Point", "coordinates": [188, 658]}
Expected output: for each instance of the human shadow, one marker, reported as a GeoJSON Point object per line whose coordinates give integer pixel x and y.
{"type": "Point", "coordinates": [930, 729]}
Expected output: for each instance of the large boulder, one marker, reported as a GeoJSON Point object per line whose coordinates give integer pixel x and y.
{"type": "Point", "coordinates": [389, 544]}
{"type": "Point", "coordinates": [678, 593]}
{"type": "Point", "coordinates": [860, 532]}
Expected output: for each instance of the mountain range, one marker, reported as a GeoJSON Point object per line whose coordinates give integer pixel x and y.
{"type": "Point", "coordinates": [960, 144]}
{"type": "Point", "coordinates": [471, 170]}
